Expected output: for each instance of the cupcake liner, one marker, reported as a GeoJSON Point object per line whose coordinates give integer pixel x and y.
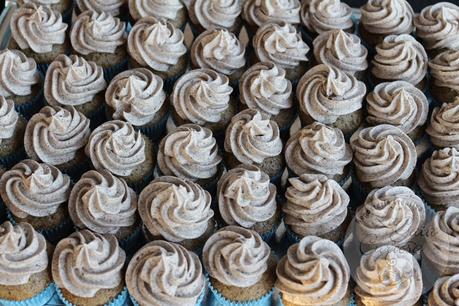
{"type": "Point", "coordinates": [40, 299]}
{"type": "Point", "coordinates": [10, 160]}
{"type": "Point", "coordinates": [293, 238]}
{"type": "Point", "coordinates": [28, 109]}
{"type": "Point", "coordinates": [157, 131]}
{"type": "Point", "coordinates": [352, 301]}
{"type": "Point", "coordinates": [43, 67]}
{"type": "Point", "coordinates": [2, 212]}
{"type": "Point", "coordinates": [199, 302]}
{"type": "Point", "coordinates": [119, 300]}
{"type": "Point", "coordinates": [133, 242]}
{"type": "Point", "coordinates": [268, 236]}
{"type": "Point", "coordinates": [139, 185]}
{"type": "Point", "coordinates": [110, 72]}
{"type": "Point", "coordinates": [97, 117]}
{"type": "Point", "coordinates": [75, 171]}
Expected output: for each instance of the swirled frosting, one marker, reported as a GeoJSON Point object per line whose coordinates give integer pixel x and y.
{"type": "Point", "coordinates": [259, 12]}
{"type": "Point", "coordinates": [281, 44]}
{"type": "Point", "coordinates": [252, 137]}
{"type": "Point", "coordinates": [388, 276]}
{"type": "Point", "coordinates": [383, 155]}
{"type": "Point", "coordinates": [400, 57]}
{"type": "Point", "coordinates": [175, 209]}
{"type": "Point", "coordinates": [8, 118]}
{"type": "Point", "coordinates": [389, 216]}
{"type": "Point", "coordinates": [94, 32]}
{"type": "Point", "coordinates": [314, 272]}
{"type": "Point", "coordinates": [156, 44]}
{"type": "Point", "coordinates": [319, 149]}
{"type": "Point", "coordinates": [216, 14]}
{"type": "Point", "coordinates": [246, 196]}
{"type": "Point", "coordinates": [444, 125]}
{"type": "Point", "coordinates": [325, 93]}
{"type": "Point", "coordinates": [189, 152]}
{"type": "Point", "coordinates": [111, 7]}
{"type": "Point", "coordinates": [34, 189]}
{"type": "Point", "coordinates": [72, 80]}
{"type": "Point", "coordinates": [219, 50]}
{"type": "Point", "coordinates": [18, 73]}
{"type": "Point", "coordinates": [397, 103]}
{"type": "Point", "coordinates": [264, 87]}
{"type": "Point", "coordinates": [445, 69]}
{"type": "Point", "coordinates": [320, 16]}
{"type": "Point", "coordinates": [40, 2]}
{"type": "Point", "coordinates": [315, 205]}
{"type": "Point", "coordinates": [135, 96]}
{"type": "Point", "coordinates": [102, 202]}
{"type": "Point", "coordinates": [342, 50]}
{"type": "Point", "coordinates": [56, 134]}
{"type": "Point", "coordinates": [86, 262]}
{"type": "Point", "coordinates": [163, 273]}
{"type": "Point", "coordinates": [22, 253]}
{"type": "Point", "coordinates": [236, 256]}
{"type": "Point", "coordinates": [37, 28]}
{"type": "Point", "coordinates": [387, 17]}
{"type": "Point", "coordinates": [201, 96]}
{"type": "Point", "coordinates": [437, 25]}
{"type": "Point", "coordinates": [445, 291]}
{"type": "Point", "coordinates": [167, 9]}
{"type": "Point", "coordinates": [117, 147]}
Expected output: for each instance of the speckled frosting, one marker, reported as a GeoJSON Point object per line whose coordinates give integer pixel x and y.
{"type": "Point", "coordinates": [445, 291]}
{"type": "Point", "coordinates": [444, 125]}
{"type": "Point", "coordinates": [387, 17]}
{"type": "Point", "coordinates": [8, 118]}
{"type": "Point", "coordinates": [111, 7]}
{"type": "Point", "coordinates": [444, 69]}
{"type": "Point", "coordinates": [320, 16]}
{"type": "Point", "coordinates": [259, 12]}
{"type": "Point", "coordinates": [167, 9]}
{"type": "Point", "coordinates": [18, 73]}
{"type": "Point", "coordinates": [215, 14]}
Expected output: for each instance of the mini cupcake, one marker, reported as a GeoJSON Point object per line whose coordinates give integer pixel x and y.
{"type": "Point", "coordinates": [443, 128]}
{"type": "Point", "coordinates": [444, 69]}
{"type": "Point", "coordinates": [37, 193]}
{"type": "Point", "coordinates": [117, 147]}
{"type": "Point", "coordinates": [314, 272]}
{"type": "Point", "coordinates": [25, 277]}
{"type": "Point", "coordinates": [208, 14]}
{"type": "Point", "coordinates": [62, 6]}
{"type": "Point", "coordinates": [396, 275]}
{"type": "Point", "coordinates": [400, 57]}
{"type": "Point", "coordinates": [137, 96]}
{"type": "Point", "coordinates": [164, 273]}
{"type": "Point", "coordinates": [173, 11]}
{"type": "Point", "coordinates": [100, 38]}
{"type": "Point", "coordinates": [112, 7]}
{"type": "Point", "coordinates": [177, 210]}
{"type": "Point", "coordinates": [56, 136]}
{"type": "Point", "coordinates": [241, 267]}
{"type": "Point", "coordinates": [444, 292]}
{"type": "Point", "coordinates": [381, 18]}
{"type": "Point", "coordinates": [12, 128]}
{"type": "Point", "coordinates": [159, 46]}
{"type": "Point", "coordinates": [88, 270]}
{"type": "Point", "coordinates": [328, 95]}
{"type": "Point", "coordinates": [281, 44]}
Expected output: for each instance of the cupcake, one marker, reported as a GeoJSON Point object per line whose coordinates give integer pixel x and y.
{"type": "Point", "coordinates": [64, 7]}
{"type": "Point", "coordinates": [328, 95]}
{"type": "Point", "coordinates": [396, 275]}
{"type": "Point", "coordinates": [164, 273]}
{"type": "Point", "coordinates": [315, 206]}
{"type": "Point", "coordinates": [25, 277]}
{"type": "Point", "coordinates": [56, 136]}
{"type": "Point", "coordinates": [112, 7]}
{"type": "Point", "coordinates": [443, 128]}
{"type": "Point", "coordinates": [2, 206]}
{"type": "Point", "coordinates": [381, 18]}
{"type": "Point", "coordinates": [159, 46]}
{"type": "Point", "coordinates": [241, 267]}
{"type": "Point", "coordinates": [203, 96]}
{"type": "Point", "coordinates": [207, 14]}
{"type": "Point", "coordinates": [444, 292]}
{"type": "Point", "coordinates": [247, 198]}
{"type": "Point", "coordinates": [173, 11]}
{"type": "Point", "coordinates": [137, 96]}
{"type": "Point", "coordinates": [37, 193]}
{"type": "Point", "coordinates": [444, 69]}
{"type": "Point", "coordinates": [177, 210]}
{"type": "Point", "coordinates": [88, 270]}
{"type": "Point", "coordinates": [314, 272]}
{"type": "Point", "coordinates": [281, 44]}
{"type": "Point", "coordinates": [100, 38]}
{"type": "Point", "coordinates": [12, 128]}
{"type": "Point", "coordinates": [117, 147]}
{"type": "Point", "coordinates": [400, 57]}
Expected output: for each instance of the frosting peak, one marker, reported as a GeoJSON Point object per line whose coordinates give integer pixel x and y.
{"type": "Point", "coordinates": [259, 12]}
{"type": "Point", "coordinates": [216, 14]}
{"type": "Point", "coordinates": [18, 73]}
{"type": "Point", "coordinates": [8, 118]}
{"type": "Point", "coordinates": [111, 7]}
{"type": "Point", "coordinates": [320, 16]}
{"type": "Point", "coordinates": [444, 125]}
{"type": "Point", "coordinates": [387, 17]}
{"type": "Point", "coordinates": [445, 291]}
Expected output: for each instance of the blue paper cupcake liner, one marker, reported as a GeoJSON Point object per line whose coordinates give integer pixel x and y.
{"type": "Point", "coordinates": [157, 131]}
{"type": "Point", "coordinates": [269, 235]}
{"type": "Point", "coordinates": [9, 161]}
{"type": "Point", "coordinates": [119, 300]}
{"type": "Point", "coordinates": [40, 299]}
{"type": "Point", "coordinates": [110, 72]}
{"type": "Point", "coordinates": [199, 302]}
{"type": "Point", "coordinates": [293, 238]}
{"type": "Point", "coordinates": [133, 242]}
{"type": "Point", "coordinates": [28, 109]}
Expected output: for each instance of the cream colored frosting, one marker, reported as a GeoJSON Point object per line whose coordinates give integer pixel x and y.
{"type": "Point", "coordinates": [85, 263]}
{"type": "Point", "coordinates": [163, 273]}
{"type": "Point", "coordinates": [18, 73]}
{"type": "Point", "coordinates": [8, 118]}
{"type": "Point", "coordinates": [167, 9]}
{"type": "Point", "coordinates": [259, 12]}
{"type": "Point", "coordinates": [189, 152]}
{"type": "Point", "coordinates": [314, 272]}
{"type": "Point", "coordinates": [215, 13]}
{"type": "Point", "coordinates": [387, 17]}
{"type": "Point", "coordinates": [400, 57]}
{"type": "Point", "coordinates": [325, 93]}
{"type": "Point", "coordinates": [246, 196]}
{"type": "Point", "coordinates": [201, 96]}
{"type": "Point", "coordinates": [444, 125]}
{"type": "Point", "coordinates": [102, 202]}
{"type": "Point", "coordinates": [445, 291]}
{"type": "Point", "coordinates": [94, 32]}
{"type": "Point", "coordinates": [318, 149]}
{"type": "Point", "coordinates": [38, 28]}
{"type": "Point", "coordinates": [135, 96]}
{"type": "Point", "coordinates": [56, 134]}
{"type": "Point", "coordinates": [320, 16]}
{"type": "Point", "coordinates": [72, 80]}
{"type": "Point", "coordinates": [175, 209]}
{"type": "Point", "coordinates": [117, 147]}
{"type": "Point", "coordinates": [111, 7]}
{"type": "Point", "coordinates": [444, 69]}
{"type": "Point", "coordinates": [252, 137]}
{"type": "Point", "coordinates": [388, 276]}
{"type": "Point", "coordinates": [40, 2]}
{"type": "Point", "coordinates": [34, 189]}
{"type": "Point", "coordinates": [383, 155]}
{"type": "Point", "coordinates": [264, 87]}
{"type": "Point", "coordinates": [397, 103]}
{"type": "Point", "coordinates": [315, 205]}
{"type": "Point", "coordinates": [281, 44]}
{"type": "Point", "coordinates": [236, 256]}
{"type": "Point", "coordinates": [156, 44]}
{"type": "Point", "coordinates": [22, 253]}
